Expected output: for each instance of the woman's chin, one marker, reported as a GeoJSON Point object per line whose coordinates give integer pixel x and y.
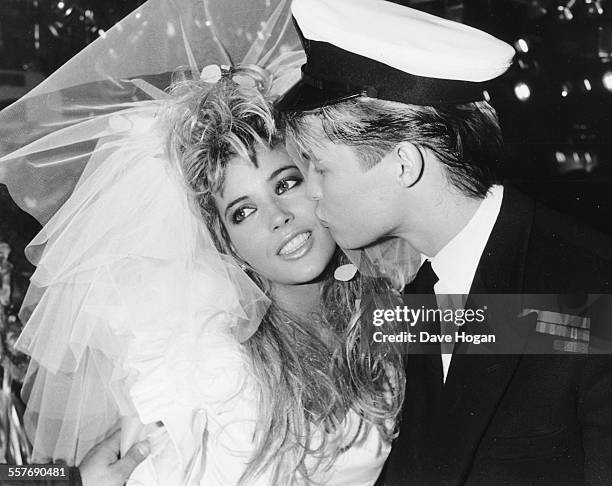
{"type": "Point", "coordinates": [303, 273]}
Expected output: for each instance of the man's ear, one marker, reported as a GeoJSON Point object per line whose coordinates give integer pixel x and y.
{"type": "Point", "coordinates": [409, 163]}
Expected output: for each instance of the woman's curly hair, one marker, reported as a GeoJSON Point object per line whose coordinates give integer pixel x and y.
{"type": "Point", "coordinates": [310, 373]}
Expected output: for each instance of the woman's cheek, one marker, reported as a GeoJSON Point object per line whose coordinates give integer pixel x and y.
{"type": "Point", "coordinates": [250, 247]}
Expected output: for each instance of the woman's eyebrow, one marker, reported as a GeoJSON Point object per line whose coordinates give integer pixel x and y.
{"type": "Point", "coordinates": [233, 203]}
{"type": "Point", "coordinates": [282, 169]}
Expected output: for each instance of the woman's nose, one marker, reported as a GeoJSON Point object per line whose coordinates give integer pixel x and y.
{"type": "Point", "coordinates": [280, 217]}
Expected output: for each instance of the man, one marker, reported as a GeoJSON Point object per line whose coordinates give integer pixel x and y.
{"type": "Point", "coordinates": [102, 466]}
{"type": "Point", "coordinates": [390, 117]}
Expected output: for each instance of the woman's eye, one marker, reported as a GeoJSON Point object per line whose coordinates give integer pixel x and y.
{"type": "Point", "coordinates": [241, 214]}
{"type": "Point", "coordinates": [287, 184]}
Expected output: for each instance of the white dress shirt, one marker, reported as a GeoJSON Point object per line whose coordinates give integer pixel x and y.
{"type": "Point", "coordinates": [456, 263]}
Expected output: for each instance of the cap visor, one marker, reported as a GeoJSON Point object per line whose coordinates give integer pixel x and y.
{"type": "Point", "coordinates": [304, 97]}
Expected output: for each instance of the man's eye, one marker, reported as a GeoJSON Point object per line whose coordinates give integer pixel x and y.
{"type": "Point", "coordinates": [285, 185]}
{"type": "Point", "coordinates": [241, 214]}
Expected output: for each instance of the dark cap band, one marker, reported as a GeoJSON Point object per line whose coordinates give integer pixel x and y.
{"type": "Point", "coordinates": [331, 75]}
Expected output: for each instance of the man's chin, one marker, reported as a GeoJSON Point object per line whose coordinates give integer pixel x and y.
{"type": "Point", "coordinates": [350, 244]}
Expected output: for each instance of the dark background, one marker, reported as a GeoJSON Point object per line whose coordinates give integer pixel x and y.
{"type": "Point", "coordinates": [555, 104]}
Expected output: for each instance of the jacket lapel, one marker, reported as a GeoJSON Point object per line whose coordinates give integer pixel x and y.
{"type": "Point", "coordinates": [476, 383]}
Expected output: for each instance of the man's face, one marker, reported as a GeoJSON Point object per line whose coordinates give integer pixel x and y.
{"type": "Point", "coordinates": [357, 205]}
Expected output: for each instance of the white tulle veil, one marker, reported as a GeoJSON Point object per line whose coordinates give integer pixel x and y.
{"type": "Point", "coordinates": [122, 251]}
{"type": "Point", "coordinates": [126, 269]}
{"type": "Point", "coordinates": [44, 140]}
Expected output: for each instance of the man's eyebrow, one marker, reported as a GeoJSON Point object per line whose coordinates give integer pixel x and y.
{"type": "Point", "coordinates": [306, 155]}
{"type": "Point", "coordinates": [317, 162]}
{"type": "Point", "coordinates": [233, 203]}
{"type": "Point", "coordinates": [281, 169]}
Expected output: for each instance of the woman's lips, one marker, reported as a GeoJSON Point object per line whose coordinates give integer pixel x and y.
{"type": "Point", "coordinates": [297, 246]}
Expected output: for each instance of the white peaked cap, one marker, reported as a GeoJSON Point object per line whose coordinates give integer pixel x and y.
{"type": "Point", "coordinates": [380, 49]}
{"type": "Point", "coordinates": [404, 38]}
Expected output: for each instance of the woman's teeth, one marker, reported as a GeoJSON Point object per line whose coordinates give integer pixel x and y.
{"type": "Point", "coordinates": [295, 243]}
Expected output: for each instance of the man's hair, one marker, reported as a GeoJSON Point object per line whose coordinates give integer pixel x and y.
{"type": "Point", "coordinates": [465, 138]}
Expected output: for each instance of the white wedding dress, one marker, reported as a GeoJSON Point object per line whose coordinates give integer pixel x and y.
{"type": "Point", "coordinates": [217, 436]}
{"type": "Point", "coordinates": [135, 320]}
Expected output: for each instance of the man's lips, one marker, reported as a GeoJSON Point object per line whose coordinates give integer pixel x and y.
{"type": "Point", "coordinates": [323, 223]}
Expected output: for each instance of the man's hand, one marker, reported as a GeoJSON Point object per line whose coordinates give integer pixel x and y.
{"type": "Point", "coordinates": [102, 466]}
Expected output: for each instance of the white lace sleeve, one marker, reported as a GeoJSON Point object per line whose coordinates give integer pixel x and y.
{"type": "Point", "coordinates": [203, 394]}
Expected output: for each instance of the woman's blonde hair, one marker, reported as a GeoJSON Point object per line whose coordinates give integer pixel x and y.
{"type": "Point", "coordinates": [310, 373]}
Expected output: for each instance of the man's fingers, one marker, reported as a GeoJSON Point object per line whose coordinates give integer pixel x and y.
{"type": "Point", "coordinates": [113, 442]}
{"type": "Point", "coordinates": [134, 456]}
{"type": "Point", "coordinates": [100, 465]}
{"type": "Point", "coordinates": [108, 449]}
{"type": "Point", "coordinates": [105, 452]}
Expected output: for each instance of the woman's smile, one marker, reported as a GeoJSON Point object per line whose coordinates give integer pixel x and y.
{"type": "Point", "coordinates": [297, 246]}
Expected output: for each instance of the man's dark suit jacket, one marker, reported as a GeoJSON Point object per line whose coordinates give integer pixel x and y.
{"type": "Point", "coordinates": [517, 419]}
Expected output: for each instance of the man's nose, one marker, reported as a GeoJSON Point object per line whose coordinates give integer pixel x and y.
{"type": "Point", "coordinates": [280, 216]}
{"type": "Point", "coordinates": [313, 184]}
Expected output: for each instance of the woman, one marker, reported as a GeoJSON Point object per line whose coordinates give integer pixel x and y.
{"type": "Point", "coordinates": [320, 395]}
{"type": "Point", "coordinates": [147, 319]}
{"type": "Point", "coordinates": [165, 331]}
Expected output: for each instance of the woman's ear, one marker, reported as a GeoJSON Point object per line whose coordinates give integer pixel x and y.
{"type": "Point", "coordinates": [409, 164]}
